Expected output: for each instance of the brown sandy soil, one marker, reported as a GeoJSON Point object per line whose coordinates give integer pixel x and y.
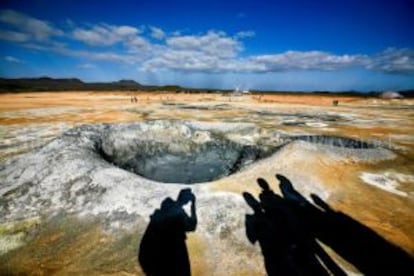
{"type": "Point", "coordinates": [308, 99]}
{"type": "Point", "coordinates": [17, 101]}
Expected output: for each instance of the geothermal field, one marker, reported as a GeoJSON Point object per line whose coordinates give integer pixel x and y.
{"type": "Point", "coordinates": [82, 174]}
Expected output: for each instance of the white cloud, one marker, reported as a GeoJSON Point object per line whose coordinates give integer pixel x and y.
{"type": "Point", "coordinates": [211, 52]}
{"type": "Point", "coordinates": [14, 36]}
{"type": "Point", "coordinates": [87, 55]}
{"type": "Point", "coordinates": [183, 61]}
{"type": "Point", "coordinates": [96, 36]}
{"type": "Point", "coordinates": [31, 27]}
{"type": "Point", "coordinates": [12, 59]}
{"type": "Point", "coordinates": [306, 60]}
{"type": "Point", "coordinates": [245, 34]}
{"type": "Point", "coordinates": [187, 53]}
{"type": "Point", "coordinates": [125, 31]}
{"type": "Point", "coordinates": [194, 60]}
{"type": "Point", "coordinates": [105, 35]}
{"type": "Point", "coordinates": [212, 43]}
{"type": "Point", "coordinates": [139, 45]}
{"type": "Point", "coordinates": [392, 60]}
{"type": "Point", "coordinates": [157, 33]}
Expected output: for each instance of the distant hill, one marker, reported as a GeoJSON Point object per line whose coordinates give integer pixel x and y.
{"type": "Point", "coordinates": [73, 84]}
{"type": "Point", "coordinates": [51, 84]}
{"type": "Point", "coordinates": [407, 93]}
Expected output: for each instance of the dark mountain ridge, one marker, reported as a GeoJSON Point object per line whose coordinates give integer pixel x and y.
{"type": "Point", "coordinates": [69, 84]}
{"type": "Point", "coordinates": [74, 84]}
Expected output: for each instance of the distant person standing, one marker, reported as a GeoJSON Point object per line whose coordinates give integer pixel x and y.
{"type": "Point", "coordinates": [163, 250]}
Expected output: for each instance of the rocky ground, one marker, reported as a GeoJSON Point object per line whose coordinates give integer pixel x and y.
{"type": "Point", "coordinates": [81, 173]}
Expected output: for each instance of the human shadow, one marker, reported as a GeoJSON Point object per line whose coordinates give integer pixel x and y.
{"type": "Point", "coordinates": [163, 249]}
{"type": "Point", "coordinates": [288, 247]}
{"type": "Point", "coordinates": [287, 227]}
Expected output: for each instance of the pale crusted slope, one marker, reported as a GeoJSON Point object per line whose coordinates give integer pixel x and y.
{"type": "Point", "coordinates": [70, 174]}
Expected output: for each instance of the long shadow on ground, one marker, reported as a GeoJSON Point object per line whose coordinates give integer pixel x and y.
{"type": "Point", "coordinates": [287, 228]}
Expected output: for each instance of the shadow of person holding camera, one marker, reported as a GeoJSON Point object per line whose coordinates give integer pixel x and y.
{"type": "Point", "coordinates": [163, 249]}
{"type": "Point", "coordinates": [287, 228]}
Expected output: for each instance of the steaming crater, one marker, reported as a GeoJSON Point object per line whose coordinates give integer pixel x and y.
{"type": "Point", "coordinates": [190, 152]}
{"type": "Point", "coordinates": [185, 161]}
{"type": "Point", "coordinates": [178, 153]}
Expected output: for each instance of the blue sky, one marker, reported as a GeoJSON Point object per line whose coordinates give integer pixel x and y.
{"type": "Point", "coordinates": [272, 45]}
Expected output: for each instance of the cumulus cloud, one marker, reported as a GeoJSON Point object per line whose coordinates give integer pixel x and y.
{"type": "Point", "coordinates": [12, 59]}
{"type": "Point", "coordinates": [287, 61]}
{"type": "Point", "coordinates": [183, 61]}
{"type": "Point", "coordinates": [210, 52]}
{"type": "Point", "coordinates": [306, 60]}
{"type": "Point", "coordinates": [212, 43]}
{"type": "Point", "coordinates": [392, 60]}
{"type": "Point", "coordinates": [139, 45]}
{"type": "Point", "coordinates": [28, 26]}
{"type": "Point", "coordinates": [105, 35]}
{"type": "Point", "coordinates": [157, 33]}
